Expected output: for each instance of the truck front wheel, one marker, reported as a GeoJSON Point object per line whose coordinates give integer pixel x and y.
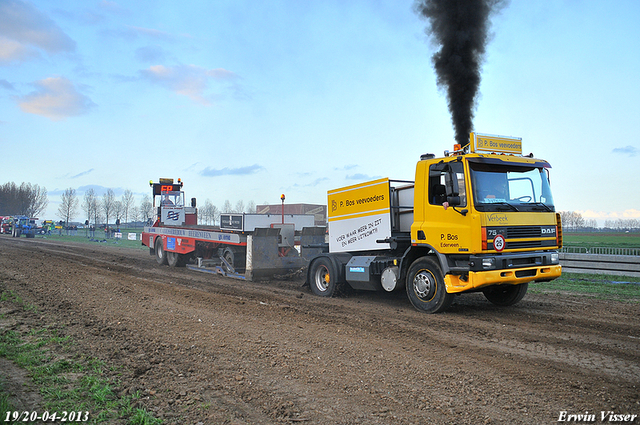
{"type": "Point", "coordinates": [161, 255]}
{"type": "Point", "coordinates": [506, 295]}
{"type": "Point", "coordinates": [323, 277]}
{"type": "Point", "coordinates": [425, 286]}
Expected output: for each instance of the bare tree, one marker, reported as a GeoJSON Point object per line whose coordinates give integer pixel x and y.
{"type": "Point", "coordinates": [38, 200]}
{"type": "Point", "coordinates": [108, 201]}
{"type": "Point", "coordinates": [127, 204]}
{"type": "Point", "coordinates": [250, 208]}
{"type": "Point", "coordinates": [208, 213]}
{"type": "Point", "coordinates": [118, 210]}
{"type": "Point", "coordinates": [226, 207]}
{"type": "Point", "coordinates": [146, 209]}
{"type": "Point", "coordinates": [571, 220]}
{"type": "Point", "coordinates": [89, 204]}
{"type": "Point", "coordinates": [26, 199]}
{"type": "Point", "coordinates": [239, 207]}
{"type": "Point", "coordinates": [68, 206]}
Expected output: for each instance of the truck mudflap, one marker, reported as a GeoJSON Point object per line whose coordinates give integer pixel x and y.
{"type": "Point", "coordinates": [515, 276]}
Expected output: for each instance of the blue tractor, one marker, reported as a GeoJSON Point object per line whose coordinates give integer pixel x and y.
{"type": "Point", "coordinates": [23, 225]}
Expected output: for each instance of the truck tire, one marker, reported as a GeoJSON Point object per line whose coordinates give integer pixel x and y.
{"type": "Point", "coordinates": [175, 259]}
{"type": "Point", "coordinates": [161, 254]}
{"type": "Point", "coordinates": [323, 277]}
{"type": "Point", "coordinates": [506, 295]}
{"type": "Point", "coordinates": [425, 286]}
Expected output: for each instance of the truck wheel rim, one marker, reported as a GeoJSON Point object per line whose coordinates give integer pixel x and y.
{"type": "Point", "coordinates": [424, 285]}
{"type": "Point", "coordinates": [322, 278]}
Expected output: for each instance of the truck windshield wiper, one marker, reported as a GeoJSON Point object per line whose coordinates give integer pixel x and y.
{"type": "Point", "coordinates": [541, 204]}
{"type": "Point", "coordinates": [503, 204]}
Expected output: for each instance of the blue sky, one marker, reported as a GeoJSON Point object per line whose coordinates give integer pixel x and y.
{"type": "Point", "coordinates": [247, 100]}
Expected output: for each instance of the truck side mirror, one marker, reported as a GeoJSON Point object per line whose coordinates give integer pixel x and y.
{"type": "Point", "coordinates": [453, 201]}
{"type": "Point", "coordinates": [451, 184]}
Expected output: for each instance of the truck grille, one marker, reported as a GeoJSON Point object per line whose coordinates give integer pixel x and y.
{"type": "Point", "coordinates": [517, 232]}
{"type": "Point", "coordinates": [522, 237]}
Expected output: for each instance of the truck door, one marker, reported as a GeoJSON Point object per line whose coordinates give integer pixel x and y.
{"type": "Point", "coordinates": [447, 224]}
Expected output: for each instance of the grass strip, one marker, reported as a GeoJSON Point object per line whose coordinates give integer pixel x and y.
{"type": "Point", "coordinates": [67, 382]}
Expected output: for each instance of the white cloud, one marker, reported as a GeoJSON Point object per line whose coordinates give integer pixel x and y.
{"type": "Point", "coordinates": [150, 54]}
{"type": "Point", "coordinates": [112, 7]}
{"type": "Point", "coordinates": [629, 213]}
{"type": "Point", "coordinates": [25, 31]}
{"type": "Point", "coordinates": [186, 80]}
{"type": "Point", "coordinates": [627, 150]}
{"type": "Point", "coordinates": [213, 172]}
{"type": "Point", "coordinates": [55, 98]}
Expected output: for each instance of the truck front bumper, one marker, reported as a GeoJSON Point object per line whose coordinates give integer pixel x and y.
{"type": "Point", "coordinates": [506, 269]}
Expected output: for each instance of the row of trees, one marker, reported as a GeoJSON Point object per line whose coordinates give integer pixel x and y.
{"type": "Point", "coordinates": [623, 225]}
{"type": "Point", "coordinates": [210, 214]}
{"type": "Point", "coordinates": [107, 208]}
{"type": "Point", "coordinates": [104, 209]}
{"type": "Point", "coordinates": [26, 199]}
{"type": "Point", "coordinates": [573, 221]}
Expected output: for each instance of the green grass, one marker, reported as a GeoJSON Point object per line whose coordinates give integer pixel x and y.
{"type": "Point", "coordinates": [5, 405]}
{"type": "Point", "coordinates": [83, 236]}
{"type": "Point", "coordinates": [67, 382]}
{"type": "Point", "coordinates": [597, 239]}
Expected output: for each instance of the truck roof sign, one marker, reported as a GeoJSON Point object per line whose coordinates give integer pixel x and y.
{"type": "Point", "coordinates": [488, 143]}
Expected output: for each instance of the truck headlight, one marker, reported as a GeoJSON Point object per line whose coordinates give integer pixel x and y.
{"type": "Point", "coordinates": [488, 263]}
{"type": "Point", "coordinates": [555, 258]}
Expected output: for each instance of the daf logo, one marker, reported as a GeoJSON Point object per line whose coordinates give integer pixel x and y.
{"type": "Point", "coordinates": [549, 231]}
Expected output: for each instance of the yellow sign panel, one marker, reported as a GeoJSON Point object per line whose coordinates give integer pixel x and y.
{"type": "Point", "coordinates": [357, 200]}
{"type": "Point", "coordinates": [498, 144]}
{"type": "Point", "coordinates": [359, 216]}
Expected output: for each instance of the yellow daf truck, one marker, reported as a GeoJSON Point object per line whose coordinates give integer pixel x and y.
{"type": "Point", "coordinates": [480, 218]}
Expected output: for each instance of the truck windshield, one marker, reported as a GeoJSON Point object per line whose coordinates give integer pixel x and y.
{"type": "Point", "coordinates": [172, 199]}
{"type": "Point", "coordinates": [510, 188]}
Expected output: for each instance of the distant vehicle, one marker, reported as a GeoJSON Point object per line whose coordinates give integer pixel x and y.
{"type": "Point", "coordinates": [5, 225]}
{"type": "Point", "coordinates": [23, 225]}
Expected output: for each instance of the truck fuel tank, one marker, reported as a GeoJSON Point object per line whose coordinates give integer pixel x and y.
{"type": "Point", "coordinates": [372, 273]}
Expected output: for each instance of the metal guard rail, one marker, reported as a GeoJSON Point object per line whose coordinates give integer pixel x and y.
{"type": "Point", "coordinates": [617, 264]}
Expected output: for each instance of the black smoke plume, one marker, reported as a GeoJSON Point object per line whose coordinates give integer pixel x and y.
{"type": "Point", "coordinates": [460, 28]}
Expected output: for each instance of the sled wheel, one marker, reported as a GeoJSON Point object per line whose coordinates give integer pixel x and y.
{"type": "Point", "coordinates": [174, 259]}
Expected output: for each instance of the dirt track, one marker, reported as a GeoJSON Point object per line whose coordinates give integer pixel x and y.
{"type": "Point", "coordinates": [205, 349]}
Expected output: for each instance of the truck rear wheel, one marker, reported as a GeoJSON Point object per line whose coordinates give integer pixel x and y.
{"type": "Point", "coordinates": [506, 295]}
{"type": "Point", "coordinates": [161, 255]}
{"type": "Point", "coordinates": [323, 277]}
{"type": "Point", "coordinates": [425, 286]}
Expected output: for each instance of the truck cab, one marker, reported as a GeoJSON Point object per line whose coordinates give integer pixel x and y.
{"type": "Point", "coordinates": [488, 215]}
{"type": "Point", "coordinates": [480, 218]}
